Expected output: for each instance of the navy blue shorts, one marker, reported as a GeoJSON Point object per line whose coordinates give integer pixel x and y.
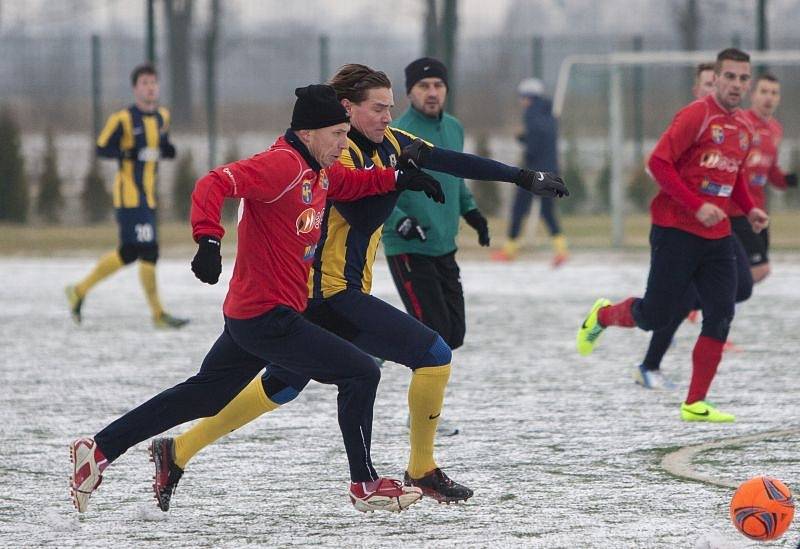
{"type": "Point", "coordinates": [679, 260]}
{"type": "Point", "coordinates": [137, 226]}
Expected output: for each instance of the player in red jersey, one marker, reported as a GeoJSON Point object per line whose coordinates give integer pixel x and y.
{"type": "Point", "coordinates": [697, 163]}
{"type": "Point", "coordinates": [648, 373]}
{"type": "Point", "coordinates": [285, 190]}
{"type": "Point", "coordinates": [762, 168]}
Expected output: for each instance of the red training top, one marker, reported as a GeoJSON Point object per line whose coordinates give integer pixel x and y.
{"type": "Point", "coordinates": [284, 202]}
{"type": "Point", "coordinates": [697, 160]}
{"type": "Point", "coordinates": [762, 162]}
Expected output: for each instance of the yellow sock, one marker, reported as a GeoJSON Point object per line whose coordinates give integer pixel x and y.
{"type": "Point", "coordinates": [108, 265]}
{"type": "Point", "coordinates": [147, 275]}
{"type": "Point", "coordinates": [248, 405]}
{"type": "Point", "coordinates": [560, 245]}
{"type": "Point", "coordinates": [425, 398]}
{"type": "Point", "coordinates": [511, 247]}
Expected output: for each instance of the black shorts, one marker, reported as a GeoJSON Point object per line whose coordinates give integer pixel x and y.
{"type": "Point", "coordinates": [755, 244]}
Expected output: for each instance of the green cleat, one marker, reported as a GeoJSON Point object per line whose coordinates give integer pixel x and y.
{"type": "Point", "coordinates": [166, 320]}
{"type": "Point", "coordinates": [703, 411]}
{"type": "Point", "coordinates": [75, 303]}
{"type": "Point", "coordinates": [590, 330]}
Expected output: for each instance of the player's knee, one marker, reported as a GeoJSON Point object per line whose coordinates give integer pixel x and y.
{"type": "Point", "coordinates": [149, 253]}
{"type": "Point", "coordinates": [128, 253]}
{"type": "Point", "coordinates": [717, 328]}
{"type": "Point", "coordinates": [438, 354]}
{"type": "Point", "coordinates": [278, 391]}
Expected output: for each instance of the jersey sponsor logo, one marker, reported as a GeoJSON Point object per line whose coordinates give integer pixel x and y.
{"type": "Point", "coordinates": [717, 134]}
{"type": "Point", "coordinates": [305, 221]}
{"type": "Point", "coordinates": [757, 138]}
{"type": "Point", "coordinates": [714, 159]}
{"type": "Point", "coordinates": [323, 180]}
{"type": "Point", "coordinates": [308, 220]}
{"type": "Point", "coordinates": [715, 189]}
{"type": "Point", "coordinates": [744, 140]}
{"type": "Point", "coordinates": [393, 160]}
{"type": "Point", "coordinates": [309, 252]}
{"type": "Point", "coordinates": [758, 179]}
{"type": "Point", "coordinates": [306, 194]}
{"type": "Point", "coordinates": [757, 158]}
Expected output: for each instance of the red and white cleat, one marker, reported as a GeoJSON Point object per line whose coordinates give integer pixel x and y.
{"type": "Point", "coordinates": [384, 494]}
{"type": "Point", "coordinates": [88, 463]}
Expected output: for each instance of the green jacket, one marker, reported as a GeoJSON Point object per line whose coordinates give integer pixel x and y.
{"type": "Point", "coordinates": [440, 221]}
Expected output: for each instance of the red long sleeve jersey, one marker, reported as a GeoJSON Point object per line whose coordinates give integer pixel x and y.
{"type": "Point", "coordinates": [762, 162]}
{"type": "Point", "coordinates": [697, 160]}
{"type": "Point", "coordinates": [284, 203]}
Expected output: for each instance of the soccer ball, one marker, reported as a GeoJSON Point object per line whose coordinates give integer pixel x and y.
{"type": "Point", "coordinates": [762, 508]}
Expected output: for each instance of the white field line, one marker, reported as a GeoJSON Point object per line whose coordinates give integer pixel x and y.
{"type": "Point", "coordinates": [679, 462]}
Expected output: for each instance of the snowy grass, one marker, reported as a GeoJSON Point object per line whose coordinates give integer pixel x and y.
{"type": "Point", "coordinates": [562, 451]}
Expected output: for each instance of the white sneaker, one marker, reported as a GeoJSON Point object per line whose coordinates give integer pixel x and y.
{"type": "Point", "coordinates": [653, 379]}
{"type": "Point", "coordinates": [443, 429]}
{"type": "Point", "coordinates": [86, 471]}
{"type": "Point", "coordinates": [385, 495]}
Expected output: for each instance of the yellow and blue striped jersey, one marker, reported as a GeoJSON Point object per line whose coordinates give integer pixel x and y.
{"type": "Point", "coordinates": [351, 231]}
{"type": "Point", "coordinates": [137, 139]}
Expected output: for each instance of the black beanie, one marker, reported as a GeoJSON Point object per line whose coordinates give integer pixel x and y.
{"type": "Point", "coordinates": [425, 67]}
{"type": "Point", "coordinates": [317, 107]}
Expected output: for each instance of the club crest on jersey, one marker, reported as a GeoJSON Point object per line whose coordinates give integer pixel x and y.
{"type": "Point", "coordinates": [392, 160]}
{"type": "Point", "coordinates": [715, 189]}
{"type": "Point", "coordinates": [744, 140]}
{"type": "Point", "coordinates": [305, 221]}
{"type": "Point", "coordinates": [717, 134]}
{"type": "Point", "coordinates": [306, 191]}
{"type": "Point", "coordinates": [323, 180]}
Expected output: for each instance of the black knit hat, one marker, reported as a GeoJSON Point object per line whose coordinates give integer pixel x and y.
{"type": "Point", "coordinates": [317, 107]}
{"type": "Point", "coordinates": [425, 67]}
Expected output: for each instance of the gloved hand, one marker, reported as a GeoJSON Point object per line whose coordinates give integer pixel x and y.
{"type": "Point", "coordinates": [207, 262]}
{"type": "Point", "coordinates": [167, 150]}
{"type": "Point", "coordinates": [409, 228]}
{"type": "Point", "coordinates": [791, 180]}
{"type": "Point", "coordinates": [413, 179]}
{"type": "Point", "coordinates": [542, 183]}
{"type": "Point", "coordinates": [475, 219]}
{"type": "Point", "coordinates": [415, 155]}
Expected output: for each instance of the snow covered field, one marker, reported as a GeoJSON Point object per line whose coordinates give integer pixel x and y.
{"type": "Point", "coordinates": [562, 451]}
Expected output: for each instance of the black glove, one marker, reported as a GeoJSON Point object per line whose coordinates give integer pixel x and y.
{"type": "Point", "coordinates": [167, 150]}
{"type": "Point", "coordinates": [415, 155]}
{"type": "Point", "coordinates": [416, 180]}
{"type": "Point", "coordinates": [409, 228]}
{"type": "Point", "coordinates": [207, 262]}
{"type": "Point", "coordinates": [791, 180]}
{"type": "Point", "coordinates": [475, 219]}
{"type": "Point", "coordinates": [542, 183]}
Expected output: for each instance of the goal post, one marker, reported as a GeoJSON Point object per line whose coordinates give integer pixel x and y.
{"type": "Point", "coordinates": [614, 63]}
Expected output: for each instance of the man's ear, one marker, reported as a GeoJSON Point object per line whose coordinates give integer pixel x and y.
{"type": "Point", "coordinates": [304, 135]}
{"type": "Point", "coordinates": [347, 104]}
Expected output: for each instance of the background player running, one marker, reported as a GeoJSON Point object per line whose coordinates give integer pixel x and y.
{"type": "Point", "coordinates": [648, 373]}
{"type": "Point", "coordinates": [136, 137]}
{"type": "Point", "coordinates": [698, 164]}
